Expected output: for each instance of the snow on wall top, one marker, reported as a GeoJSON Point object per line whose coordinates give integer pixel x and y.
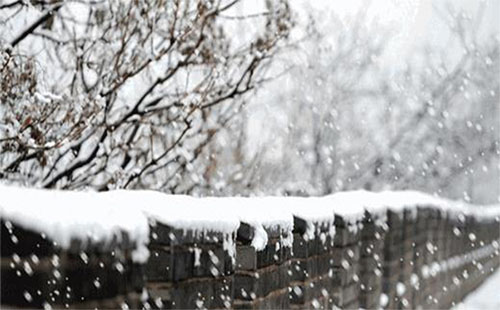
{"type": "Point", "coordinates": [64, 215]}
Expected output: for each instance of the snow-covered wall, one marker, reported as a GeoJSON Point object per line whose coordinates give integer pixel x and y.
{"type": "Point", "coordinates": [146, 249]}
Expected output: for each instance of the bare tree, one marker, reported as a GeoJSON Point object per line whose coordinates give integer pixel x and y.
{"type": "Point", "coordinates": [126, 94]}
{"type": "Point", "coordinates": [353, 124]}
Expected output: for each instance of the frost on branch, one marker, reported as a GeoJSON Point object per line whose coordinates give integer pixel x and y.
{"type": "Point", "coordinates": [126, 94]}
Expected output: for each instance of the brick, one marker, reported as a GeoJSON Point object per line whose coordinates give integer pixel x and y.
{"type": "Point", "coordinates": [16, 283]}
{"type": "Point", "coordinates": [346, 256]}
{"type": "Point", "coordinates": [246, 257]}
{"type": "Point", "coordinates": [208, 292]}
{"type": "Point", "coordinates": [160, 266]}
{"type": "Point", "coordinates": [300, 246]}
{"type": "Point", "coordinates": [251, 285]}
{"type": "Point", "coordinates": [245, 233]}
{"type": "Point", "coordinates": [161, 234]}
{"type": "Point", "coordinates": [23, 242]}
{"type": "Point", "coordinates": [346, 236]}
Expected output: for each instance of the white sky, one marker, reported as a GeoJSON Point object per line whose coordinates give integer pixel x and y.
{"type": "Point", "coordinates": [414, 20]}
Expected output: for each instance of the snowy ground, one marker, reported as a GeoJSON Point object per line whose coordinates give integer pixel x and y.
{"type": "Point", "coordinates": [486, 297]}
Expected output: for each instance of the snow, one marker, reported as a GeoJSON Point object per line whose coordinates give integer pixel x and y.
{"type": "Point", "coordinates": [400, 289]}
{"type": "Point", "coordinates": [384, 300]}
{"type": "Point", "coordinates": [485, 297]}
{"type": "Point", "coordinates": [65, 215]}
{"type": "Point", "coordinates": [197, 256]}
{"type": "Point", "coordinates": [260, 212]}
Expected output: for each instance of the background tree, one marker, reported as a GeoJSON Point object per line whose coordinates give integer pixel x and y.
{"type": "Point", "coordinates": [356, 119]}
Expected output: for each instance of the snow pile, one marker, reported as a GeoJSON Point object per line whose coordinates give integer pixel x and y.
{"type": "Point", "coordinates": [101, 217]}
{"type": "Point", "coordinates": [65, 215]}
{"type": "Point", "coordinates": [262, 213]}
{"type": "Point", "coordinates": [182, 212]}
{"type": "Point", "coordinates": [485, 297]}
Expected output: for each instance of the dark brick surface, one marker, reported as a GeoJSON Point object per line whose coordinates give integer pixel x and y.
{"type": "Point", "coordinates": [188, 270]}
{"type": "Point", "coordinates": [17, 240]}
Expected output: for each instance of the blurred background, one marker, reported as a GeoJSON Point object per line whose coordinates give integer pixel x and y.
{"type": "Point", "coordinates": [226, 98]}
{"type": "Point", "coordinates": [385, 95]}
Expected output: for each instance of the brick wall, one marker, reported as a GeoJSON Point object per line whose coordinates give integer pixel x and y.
{"type": "Point", "coordinates": [419, 257]}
